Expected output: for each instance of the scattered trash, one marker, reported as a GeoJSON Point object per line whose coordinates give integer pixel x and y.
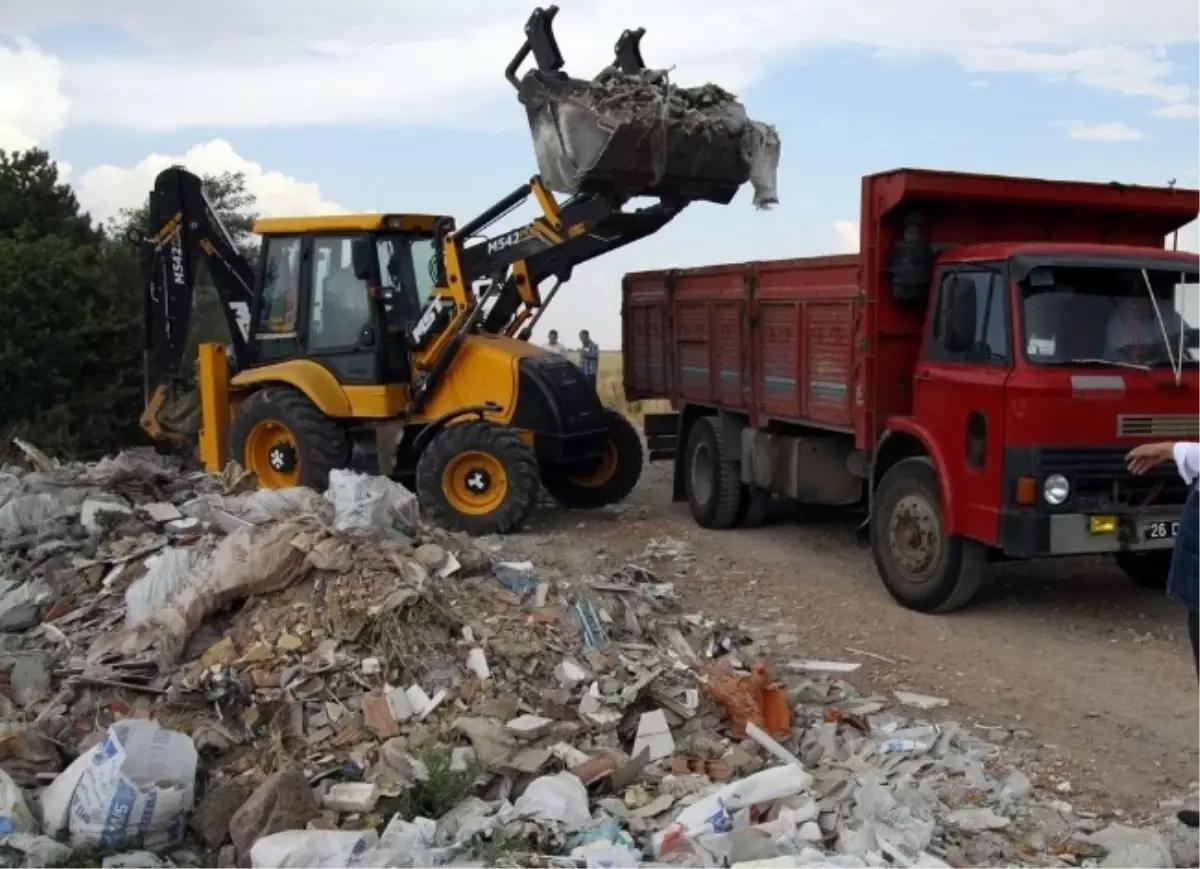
{"type": "Point", "coordinates": [204, 675]}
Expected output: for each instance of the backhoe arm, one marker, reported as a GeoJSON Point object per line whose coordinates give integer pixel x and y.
{"type": "Point", "coordinates": [185, 232]}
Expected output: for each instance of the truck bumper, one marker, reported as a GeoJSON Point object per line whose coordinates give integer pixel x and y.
{"type": "Point", "coordinates": [1028, 535]}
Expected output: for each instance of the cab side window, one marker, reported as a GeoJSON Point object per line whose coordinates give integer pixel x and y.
{"type": "Point", "coordinates": [340, 311]}
{"type": "Point", "coordinates": [991, 338]}
{"type": "Point", "coordinates": [281, 285]}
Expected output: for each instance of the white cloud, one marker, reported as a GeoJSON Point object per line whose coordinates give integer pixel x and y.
{"type": "Point", "coordinates": [291, 62]}
{"type": "Point", "coordinates": [105, 190]}
{"type": "Point", "coordinates": [32, 106]}
{"type": "Point", "coordinates": [1109, 131]}
{"type": "Point", "coordinates": [1178, 110]}
{"type": "Point", "coordinates": [845, 236]}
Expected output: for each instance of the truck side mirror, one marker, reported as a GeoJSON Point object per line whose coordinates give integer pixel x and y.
{"type": "Point", "coordinates": [362, 258]}
{"type": "Point", "coordinates": [960, 315]}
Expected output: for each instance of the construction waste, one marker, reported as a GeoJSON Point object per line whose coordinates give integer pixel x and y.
{"type": "Point", "coordinates": [196, 673]}
{"type": "Point", "coordinates": [642, 134]}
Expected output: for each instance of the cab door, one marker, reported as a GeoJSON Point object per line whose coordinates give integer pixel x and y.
{"type": "Point", "coordinates": [342, 331]}
{"type": "Point", "coordinates": [958, 394]}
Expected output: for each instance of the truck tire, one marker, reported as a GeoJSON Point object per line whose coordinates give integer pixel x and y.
{"type": "Point", "coordinates": [479, 478]}
{"type": "Point", "coordinates": [1147, 569]}
{"type": "Point", "coordinates": [286, 441]}
{"type": "Point", "coordinates": [923, 568]}
{"type": "Point", "coordinates": [713, 488]}
{"type": "Point", "coordinates": [608, 480]}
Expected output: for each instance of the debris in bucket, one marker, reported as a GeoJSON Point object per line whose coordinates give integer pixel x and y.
{"type": "Point", "coordinates": [640, 134]}
{"type": "Point", "coordinates": [298, 681]}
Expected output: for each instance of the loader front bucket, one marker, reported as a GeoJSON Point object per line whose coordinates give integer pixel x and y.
{"type": "Point", "coordinates": [634, 134]}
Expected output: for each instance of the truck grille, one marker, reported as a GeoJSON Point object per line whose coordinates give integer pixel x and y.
{"type": "Point", "coordinates": [1180, 426]}
{"type": "Point", "coordinates": [1100, 480]}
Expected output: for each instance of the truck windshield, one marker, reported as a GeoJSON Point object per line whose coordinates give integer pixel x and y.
{"type": "Point", "coordinates": [1107, 315]}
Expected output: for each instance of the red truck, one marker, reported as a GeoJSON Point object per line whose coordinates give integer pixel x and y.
{"type": "Point", "coordinates": [973, 377]}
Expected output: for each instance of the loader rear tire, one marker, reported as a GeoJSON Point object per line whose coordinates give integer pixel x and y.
{"type": "Point", "coordinates": [603, 481]}
{"type": "Point", "coordinates": [478, 477]}
{"type": "Point", "coordinates": [286, 441]}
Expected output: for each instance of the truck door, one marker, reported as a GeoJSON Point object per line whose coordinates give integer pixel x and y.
{"type": "Point", "coordinates": [958, 395]}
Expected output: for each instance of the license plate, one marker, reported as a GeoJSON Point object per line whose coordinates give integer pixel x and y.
{"type": "Point", "coordinates": [1160, 530]}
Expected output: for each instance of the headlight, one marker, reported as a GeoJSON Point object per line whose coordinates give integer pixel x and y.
{"type": "Point", "coordinates": [1056, 489]}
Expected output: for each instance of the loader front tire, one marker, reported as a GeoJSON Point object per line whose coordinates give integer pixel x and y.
{"type": "Point", "coordinates": [603, 481]}
{"type": "Point", "coordinates": [286, 441]}
{"type": "Point", "coordinates": [478, 477]}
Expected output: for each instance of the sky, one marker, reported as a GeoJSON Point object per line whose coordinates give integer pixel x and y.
{"type": "Point", "coordinates": [397, 105]}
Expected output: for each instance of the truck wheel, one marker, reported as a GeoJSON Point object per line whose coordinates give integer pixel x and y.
{"type": "Point", "coordinates": [607, 480]}
{"type": "Point", "coordinates": [713, 488]}
{"type": "Point", "coordinates": [1147, 569]}
{"type": "Point", "coordinates": [286, 441]}
{"type": "Point", "coordinates": [923, 568]}
{"type": "Point", "coordinates": [479, 478]}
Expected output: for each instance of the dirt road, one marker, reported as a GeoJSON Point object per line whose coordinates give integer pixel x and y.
{"type": "Point", "coordinates": [1085, 676]}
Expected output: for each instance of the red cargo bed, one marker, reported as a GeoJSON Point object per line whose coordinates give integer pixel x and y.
{"type": "Point", "coordinates": [782, 352]}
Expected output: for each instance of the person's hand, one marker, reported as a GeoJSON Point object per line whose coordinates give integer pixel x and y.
{"type": "Point", "coordinates": [1146, 457]}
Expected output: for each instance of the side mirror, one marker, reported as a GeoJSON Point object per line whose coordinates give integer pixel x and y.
{"type": "Point", "coordinates": [960, 315]}
{"type": "Point", "coordinates": [362, 258]}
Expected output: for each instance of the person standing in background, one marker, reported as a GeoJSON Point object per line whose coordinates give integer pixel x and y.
{"type": "Point", "coordinates": [589, 357]}
{"type": "Point", "coordinates": [553, 346]}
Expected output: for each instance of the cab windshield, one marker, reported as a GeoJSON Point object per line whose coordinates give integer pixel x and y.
{"type": "Point", "coordinates": [1117, 315]}
{"type": "Point", "coordinates": [407, 270]}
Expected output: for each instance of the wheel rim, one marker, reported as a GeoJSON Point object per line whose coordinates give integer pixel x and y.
{"type": "Point", "coordinates": [474, 483]}
{"type": "Point", "coordinates": [272, 455]}
{"type": "Point", "coordinates": [702, 473]}
{"type": "Point", "coordinates": [915, 538]}
{"type": "Point", "coordinates": [605, 468]}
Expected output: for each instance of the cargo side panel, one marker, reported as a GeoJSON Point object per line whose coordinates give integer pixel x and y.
{"type": "Point", "coordinates": [647, 342]}
{"type": "Point", "coordinates": [803, 333]}
{"type": "Point", "coordinates": [709, 308]}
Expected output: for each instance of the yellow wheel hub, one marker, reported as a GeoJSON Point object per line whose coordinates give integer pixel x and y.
{"type": "Point", "coordinates": [271, 453]}
{"type": "Point", "coordinates": [605, 469]}
{"type": "Point", "coordinates": [474, 483]}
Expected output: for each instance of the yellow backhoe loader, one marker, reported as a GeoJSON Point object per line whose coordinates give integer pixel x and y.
{"type": "Point", "coordinates": [351, 322]}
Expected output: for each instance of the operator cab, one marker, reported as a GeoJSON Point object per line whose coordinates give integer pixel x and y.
{"type": "Point", "coordinates": [345, 291]}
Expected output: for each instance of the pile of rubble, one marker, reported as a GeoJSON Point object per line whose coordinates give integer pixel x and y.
{"type": "Point", "coordinates": [196, 673]}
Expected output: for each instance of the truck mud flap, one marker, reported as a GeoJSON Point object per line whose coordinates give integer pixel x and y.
{"type": "Point", "coordinates": [662, 435]}
{"type": "Point", "coordinates": [613, 136]}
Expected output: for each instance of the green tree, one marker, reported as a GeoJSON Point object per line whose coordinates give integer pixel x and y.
{"type": "Point", "coordinates": [70, 362]}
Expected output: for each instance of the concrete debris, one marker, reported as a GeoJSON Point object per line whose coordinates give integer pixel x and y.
{"type": "Point", "coordinates": [289, 689]}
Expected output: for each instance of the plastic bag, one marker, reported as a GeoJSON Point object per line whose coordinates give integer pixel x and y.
{"type": "Point", "coordinates": [15, 816]}
{"type": "Point", "coordinates": [311, 848]}
{"type": "Point", "coordinates": [275, 505]}
{"type": "Point", "coordinates": [26, 514]}
{"type": "Point", "coordinates": [251, 561]}
{"type": "Point", "coordinates": [561, 798]}
{"type": "Point", "coordinates": [134, 789]}
{"type": "Point", "coordinates": [366, 506]}
{"type": "Point", "coordinates": [167, 572]}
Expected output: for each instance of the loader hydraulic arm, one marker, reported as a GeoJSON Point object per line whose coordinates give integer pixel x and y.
{"type": "Point", "coordinates": [184, 232]}
{"type": "Point", "coordinates": [513, 264]}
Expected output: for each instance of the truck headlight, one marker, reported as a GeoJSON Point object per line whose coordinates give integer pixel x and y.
{"type": "Point", "coordinates": [1055, 489]}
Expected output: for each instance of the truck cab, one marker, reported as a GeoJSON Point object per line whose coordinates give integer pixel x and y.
{"type": "Point", "coordinates": [1040, 366]}
{"type": "Point", "coordinates": [973, 378]}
